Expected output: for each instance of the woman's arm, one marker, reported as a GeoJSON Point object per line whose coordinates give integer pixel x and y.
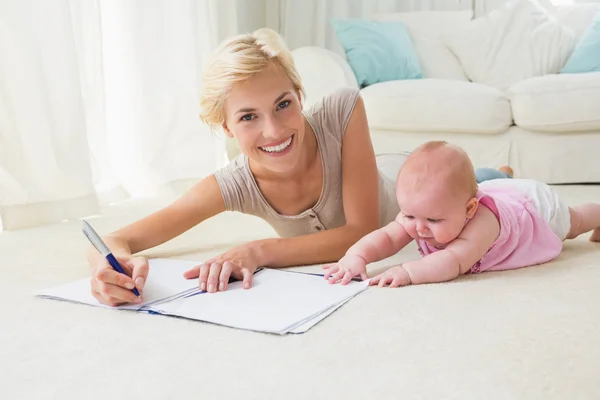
{"type": "Point", "coordinates": [110, 287]}
{"type": "Point", "coordinates": [202, 201]}
{"type": "Point", "coordinates": [360, 187]}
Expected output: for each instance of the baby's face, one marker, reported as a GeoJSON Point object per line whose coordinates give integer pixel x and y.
{"type": "Point", "coordinates": [433, 214]}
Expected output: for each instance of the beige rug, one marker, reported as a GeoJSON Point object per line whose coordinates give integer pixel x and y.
{"type": "Point", "coordinates": [527, 334]}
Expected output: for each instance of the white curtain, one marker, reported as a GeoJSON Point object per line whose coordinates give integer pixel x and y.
{"type": "Point", "coordinates": [307, 22]}
{"type": "Point", "coordinates": [99, 100]}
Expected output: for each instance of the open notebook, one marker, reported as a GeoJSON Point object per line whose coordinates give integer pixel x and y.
{"type": "Point", "coordinates": [278, 302]}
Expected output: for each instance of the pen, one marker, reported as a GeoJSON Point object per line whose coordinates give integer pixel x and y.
{"type": "Point", "coordinates": [103, 249]}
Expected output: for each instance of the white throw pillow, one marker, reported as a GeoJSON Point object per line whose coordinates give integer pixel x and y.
{"type": "Point", "coordinates": [518, 41]}
{"type": "Point", "coordinates": [425, 29]}
{"type": "Point", "coordinates": [578, 17]}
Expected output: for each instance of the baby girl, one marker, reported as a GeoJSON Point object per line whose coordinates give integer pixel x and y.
{"type": "Point", "coordinates": [461, 227]}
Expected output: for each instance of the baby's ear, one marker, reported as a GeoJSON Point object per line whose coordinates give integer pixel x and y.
{"type": "Point", "coordinates": [472, 207]}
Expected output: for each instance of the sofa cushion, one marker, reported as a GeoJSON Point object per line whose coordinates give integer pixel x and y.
{"type": "Point", "coordinates": [557, 103]}
{"type": "Point", "coordinates": [437, 105]}
{"type": "Point", "coordinates": [322, 72]}
{"type": "Point", "coordinates": [586, 57]}
{"type": "Point", "coordinates": [378, 51]}
{"type": "Point", "coordinates": [426, 29]}
{"type": "Point", "coordinates": [517, 41]}
{"type": "Point", "coordinates": [577, 17]}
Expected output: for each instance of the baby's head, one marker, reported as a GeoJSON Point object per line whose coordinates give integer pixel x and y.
{"type": "Point", "coordinates": [436, 189]}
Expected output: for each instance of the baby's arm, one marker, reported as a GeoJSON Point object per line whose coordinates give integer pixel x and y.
{"type": "Point", "coordinates": [382, 243]}
{"type": "Point", "coordinates": [461, 254]}
{"type": "Point", "coordinates": [375, 246]}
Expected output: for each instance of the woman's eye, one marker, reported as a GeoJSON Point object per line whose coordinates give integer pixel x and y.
{"type": "Point", "coordinates": [247, 117]}
{"type": "Point", "coordinates": [283, 104]}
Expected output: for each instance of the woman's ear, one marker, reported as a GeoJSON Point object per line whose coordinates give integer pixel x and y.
{"type": "Point", "coordinates": [299, 95]}
{"type": "Point", "coordinates": [227, 131]}
{"type": "Point", "coordinates": [472, 207]}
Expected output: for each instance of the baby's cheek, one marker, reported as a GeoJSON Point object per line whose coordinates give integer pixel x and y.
{"type": "Point", "coordinates": [442, 233]}
{"type": "Point", "coordinates": [411, 229]}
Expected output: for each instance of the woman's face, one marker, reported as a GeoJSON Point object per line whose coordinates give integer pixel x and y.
{"type": "Point", "coordinates": [265, 115]}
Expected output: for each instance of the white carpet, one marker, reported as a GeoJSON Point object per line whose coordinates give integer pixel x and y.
{"type": "Point", "coordinates": [527, 334]}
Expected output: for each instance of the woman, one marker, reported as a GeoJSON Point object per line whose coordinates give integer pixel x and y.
{"type": "Point", "coordinates": [312, 175]}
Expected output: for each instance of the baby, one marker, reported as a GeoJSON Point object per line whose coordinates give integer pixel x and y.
{"type": "Point", "coordinates": [461, 227]}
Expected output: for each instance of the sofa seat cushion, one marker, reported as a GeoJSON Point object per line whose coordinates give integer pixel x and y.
{"type": "Point", "coordinates": [437, 105]}
{"type": "Point", "coordinates": [557, 103]}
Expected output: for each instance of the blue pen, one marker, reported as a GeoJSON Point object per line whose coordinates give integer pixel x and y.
{"type": "Point", "coordinates": [103, 249]}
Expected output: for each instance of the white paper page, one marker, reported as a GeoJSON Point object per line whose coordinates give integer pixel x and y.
{"type": "Point", "coordinates": [306, 325]}
{"type": "Point", "coordinates": [165, 281]}
{"type": "Point", "coordinates": [276, 302]}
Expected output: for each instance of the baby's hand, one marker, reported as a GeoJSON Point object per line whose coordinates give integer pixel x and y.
{"type": "Point", "coordinates": [346, 269]}
{"type": "Point", "coordinates": [396, 276]}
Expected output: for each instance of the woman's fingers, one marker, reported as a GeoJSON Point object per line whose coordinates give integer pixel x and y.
{"type": "Point", "coordinates": [246, 278]}
{"type": "Point", "coordinates": [225, 274]}
{"type": "Point", "coordinates": [192, 273]}
{"type": "Point", "coordinates": [140, 269]}
{"type": "Point", "coordinates": [110, 276]}
{"type": "Point", "coordinates": [203, 275]}
{"type": "Point", "coordinates": [213, 277]}
{"type": "Point", "coordinates": [114, 295]}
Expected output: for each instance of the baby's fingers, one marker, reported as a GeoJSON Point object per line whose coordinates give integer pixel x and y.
{"type": "Point", "coordinates": [347, 277]}
{"type": "Point", "coordinates": [335, 278]}
{"type": "Point", "coordinates": [397, 281]}
{"type": "Point", "coordinates": [375, 280]}
{"type": "Point", "coordinates": [330, 270]}
{"type": "Point", "coordinates": [385, 279]}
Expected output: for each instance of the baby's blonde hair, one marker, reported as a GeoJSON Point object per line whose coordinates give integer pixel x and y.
{"type": "Point", "coordinates": [235, 61]}
{"type": "Point", "coordinates": [438, 159]}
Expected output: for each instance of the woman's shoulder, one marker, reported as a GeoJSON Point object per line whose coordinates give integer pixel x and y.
{"type": "Point", "coordinates": [332, 113]}
{"type": "Point", "coordinates": [340, 99]}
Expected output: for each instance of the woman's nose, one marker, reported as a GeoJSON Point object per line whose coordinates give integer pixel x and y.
{"type": "Point", "coordinates": [272, 128]}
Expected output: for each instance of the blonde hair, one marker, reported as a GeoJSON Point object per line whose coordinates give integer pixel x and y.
{"type": "Point", "coordinates": [235, 61]}
{"type": "Point", "coordinates": [442, 160]}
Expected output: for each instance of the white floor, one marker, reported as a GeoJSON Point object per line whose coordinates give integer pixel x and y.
{"type": "Point", "coordinates": [526, 334]}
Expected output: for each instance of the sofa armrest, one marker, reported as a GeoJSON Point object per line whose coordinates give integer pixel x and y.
{"type": "Point", "coordinates": [322, 72]}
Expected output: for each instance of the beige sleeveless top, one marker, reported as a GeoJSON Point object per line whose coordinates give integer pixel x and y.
{"type": "Point", "coordinates": [328, 119]}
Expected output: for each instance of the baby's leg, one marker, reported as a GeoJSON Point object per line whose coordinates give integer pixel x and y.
{"type": "Point", "coordinates": [585, 218]}
{"type": "Point", "coordinates": [488, 174]}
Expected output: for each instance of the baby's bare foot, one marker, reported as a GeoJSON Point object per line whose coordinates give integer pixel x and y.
{"type": "Point", "coordinates": [595, 235]}
{"type": "Point", "coordinates": [507, 170]}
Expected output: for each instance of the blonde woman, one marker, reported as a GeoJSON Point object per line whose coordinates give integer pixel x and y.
{"type": "Point", "coordinates": [312, 175]}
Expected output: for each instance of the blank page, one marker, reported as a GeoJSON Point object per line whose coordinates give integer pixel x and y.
{"type": "Point", "coordinates": [277, 302]}
{"type": "Point", "coordinates": [165, 281]}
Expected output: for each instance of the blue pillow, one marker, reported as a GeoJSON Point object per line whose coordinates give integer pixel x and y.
{"type": "Point", "coordinates": [586, 56]}
{"type": "Point", "coordinates": [378, 51]}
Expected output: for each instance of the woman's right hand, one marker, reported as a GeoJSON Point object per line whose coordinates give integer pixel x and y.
{"type": "Point", "coordinates": [113, 288]}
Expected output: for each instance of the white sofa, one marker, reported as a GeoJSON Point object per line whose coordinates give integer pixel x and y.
{"type": "Point", "coordinates": [547, 127]}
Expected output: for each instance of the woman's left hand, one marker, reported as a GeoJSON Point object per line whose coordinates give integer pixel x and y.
{"type": "Point", "coordinates": [240, 263]}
